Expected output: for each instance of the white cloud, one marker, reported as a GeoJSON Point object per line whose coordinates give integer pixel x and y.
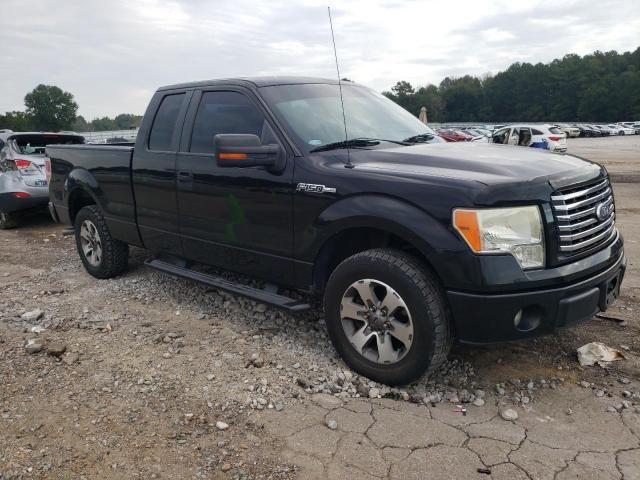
{"type": "Point", "coordinates": [113, 55]}
{"type": "Point", "coordinates": [496, 35]}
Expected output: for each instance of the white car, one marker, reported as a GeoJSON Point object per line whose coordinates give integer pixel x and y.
{"type": "Point", "coordinates": [621, 129]}
{"type": "Point", "coordinates": [549, 137]}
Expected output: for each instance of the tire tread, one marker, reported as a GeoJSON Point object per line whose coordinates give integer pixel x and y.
{"type": "Point", "coordinates": [115, 253]}
{"type": "Point", "coordinates": [429, 287]}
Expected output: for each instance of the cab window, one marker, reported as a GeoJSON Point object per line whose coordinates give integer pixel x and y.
{"type": "Point", "coordinates": [224, 112]}
{"type": "Point", "coordinates": [164, 125]}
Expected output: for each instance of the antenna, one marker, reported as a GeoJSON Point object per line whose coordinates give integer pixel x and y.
{"type": "Point", "coordinates": [344, 117]}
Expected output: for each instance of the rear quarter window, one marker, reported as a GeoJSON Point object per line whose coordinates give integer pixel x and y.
{"type": "Point", "coordinates": [164, 124]}
{"type": "Point", "coordinates": [34, 144]}
{"type": "Point", "coordinates": [555, 131]}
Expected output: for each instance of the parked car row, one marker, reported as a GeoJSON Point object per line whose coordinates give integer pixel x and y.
{"type": "Point", "coordinates": [590, 130]}
{"type": "Point", "coordinates": [600, 130]}
{"type": "Point", "coordinates": [549, 136]}
{"type": "Point", "coordinates": [465, 134]}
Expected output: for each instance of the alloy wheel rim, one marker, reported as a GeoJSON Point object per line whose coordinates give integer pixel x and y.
{"type": "Point", "coordinates": [91, 243]}
{"type": "Point", "coordinates": [376, 321]}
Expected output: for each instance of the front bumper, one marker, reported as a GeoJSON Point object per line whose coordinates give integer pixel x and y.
{"type": "Point", "coordinates": [486, 318]}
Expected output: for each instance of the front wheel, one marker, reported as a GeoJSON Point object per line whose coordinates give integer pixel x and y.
{"type": "Point", "coordinates": [8, 220]}
{"type": "Point", "coordinates": [101, 255]}
{"type": "Point", "coordinates": [386, 316]}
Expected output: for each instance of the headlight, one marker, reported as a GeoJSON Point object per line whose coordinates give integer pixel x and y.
{"type": "Point", "coordinates": [516, 230]}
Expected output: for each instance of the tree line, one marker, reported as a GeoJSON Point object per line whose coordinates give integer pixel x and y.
{"type": "Point", "coordinates": [49, 108]}
{"type": "Point", "coordinates": [600, 87]}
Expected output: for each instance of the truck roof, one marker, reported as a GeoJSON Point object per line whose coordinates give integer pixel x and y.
{"type": "Point", "coordinates": [266, 81]}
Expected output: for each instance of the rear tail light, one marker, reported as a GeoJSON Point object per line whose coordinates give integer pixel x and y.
{"type": "Point", "coordinates": [20, 195]}
{"type": "Point", "coordinates": [47, 168]}
{"type": "Point", "coordinates": [22, 164]}
{"type": "Point", "coordinates": [26, 167]}
{"type": "Point", "coordinates": [555, 139]}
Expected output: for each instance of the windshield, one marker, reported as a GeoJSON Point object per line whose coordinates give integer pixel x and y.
{"type": "Point", "coordinates": [34, 144]}
{"type": "Point", "coordinates": [313, 114]}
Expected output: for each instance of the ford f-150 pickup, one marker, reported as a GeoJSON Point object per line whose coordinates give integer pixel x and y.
{"type": "Point", "coordinates": [410, 241]}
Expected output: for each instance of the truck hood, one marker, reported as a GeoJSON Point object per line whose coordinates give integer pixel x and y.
{"type": "Point", "coordinates": [488, 164]}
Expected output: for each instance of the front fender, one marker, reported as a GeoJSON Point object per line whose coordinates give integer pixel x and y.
{"type": "Point", "coordinates": [380, 212]}
{"type": "Point", "coordinates": [433, 237]}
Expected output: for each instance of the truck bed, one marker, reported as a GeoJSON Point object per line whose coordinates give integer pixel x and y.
{"type": "Point", "coordinates": [106, 169]}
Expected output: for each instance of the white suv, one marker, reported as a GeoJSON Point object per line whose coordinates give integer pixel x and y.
{"type": "Point", "coordinates": [539, 136]}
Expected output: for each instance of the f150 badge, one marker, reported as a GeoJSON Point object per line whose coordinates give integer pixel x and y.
{"type": "Point", "coordinates": [313, 188]}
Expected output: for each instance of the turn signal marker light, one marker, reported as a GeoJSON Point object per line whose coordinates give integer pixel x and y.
{"type": "Point", "coordinates": [232, 156]}
{"type": "Point", "coordinates": [466, 223]}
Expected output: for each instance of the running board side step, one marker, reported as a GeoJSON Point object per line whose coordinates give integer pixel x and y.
{"type": "Point", "coordinates": [257, 294]}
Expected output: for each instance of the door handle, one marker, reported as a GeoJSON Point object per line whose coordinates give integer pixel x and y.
{"type": "Point", "coordinates": [185, 179]}
{"type": "Point", "coordinates": [185, 176]}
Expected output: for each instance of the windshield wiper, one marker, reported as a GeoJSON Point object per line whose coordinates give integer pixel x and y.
{"type": "Point", "coordinates": [355, 143]}
{"type": "Point", "coordinates": [421, 138]}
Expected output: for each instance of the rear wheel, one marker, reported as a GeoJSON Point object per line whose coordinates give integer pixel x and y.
{"type": "Point", "coordinates": [386, 316]}
{"type": "Point", "coordinates": [102, 256]}
{"type": "Point", "coordinates": [8, 220]}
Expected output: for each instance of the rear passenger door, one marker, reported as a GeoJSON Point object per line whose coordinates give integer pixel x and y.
{"type": "Point", "coordinates": [238, 218]}
{"type": "Point", "coordinates": [153, 173]}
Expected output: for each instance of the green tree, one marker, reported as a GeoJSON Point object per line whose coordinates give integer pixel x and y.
{"type": "Point", "coordinates": [402, 89]}
{"type": "Point", "coordinates": [600, 87]}
{"type": "Point", "coordinates": [430, 98]}
{"type": "Point", "coordinates": [80, 124]}
{"type": "Point", "coordinates": [50, 108]}
{"type": "Point", "coordinates": [16, 121]}
{"type": "Point", "coordinates": [462, 97]}
{"type": "Point", "coordinates": [104, 123]}
{"type": "Point", "coordinates": [126, 121]}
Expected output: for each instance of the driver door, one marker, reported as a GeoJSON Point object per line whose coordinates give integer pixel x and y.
{"type": "Point", "coordinates": [500, 136]}
{"type": "Point", "coordinates": [237, 218]}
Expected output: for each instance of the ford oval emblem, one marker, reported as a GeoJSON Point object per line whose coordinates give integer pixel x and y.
{"type": "Point", "coordinates": [602, 211]}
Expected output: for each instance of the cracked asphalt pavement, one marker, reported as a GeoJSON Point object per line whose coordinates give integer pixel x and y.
{"type": "Point", "coordinates": [395, 440]}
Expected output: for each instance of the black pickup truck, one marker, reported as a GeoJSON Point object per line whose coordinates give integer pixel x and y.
{"type": "Point", "coordinates": [412, 242]}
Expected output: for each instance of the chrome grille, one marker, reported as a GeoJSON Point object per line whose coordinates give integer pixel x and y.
{"type": "Point", "coordinates": [585, 215]}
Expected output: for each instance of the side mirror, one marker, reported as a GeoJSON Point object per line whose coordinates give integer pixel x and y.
{"type": "Point", "coordinates": [240, 150]}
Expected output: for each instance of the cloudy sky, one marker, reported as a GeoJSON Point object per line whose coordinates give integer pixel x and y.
{"type": "Point", "coordinates": [113, 54]}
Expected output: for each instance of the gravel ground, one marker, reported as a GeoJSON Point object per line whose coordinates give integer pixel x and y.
{"type": "Point", "coordinates": [148, 376]}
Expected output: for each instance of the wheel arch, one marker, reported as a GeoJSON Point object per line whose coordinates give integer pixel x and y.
{"type": "Point", "coordinates": [348, 227]}
{"type": "Point", "coordinates": [81, 190]}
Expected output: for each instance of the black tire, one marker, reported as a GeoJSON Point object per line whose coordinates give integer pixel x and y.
{"type": "Point", "coordinates": [420, 291]}
{"type": "Point", "coordinates": [114, 257]}
{"type": "Point", "coordinates": [8, 220]}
